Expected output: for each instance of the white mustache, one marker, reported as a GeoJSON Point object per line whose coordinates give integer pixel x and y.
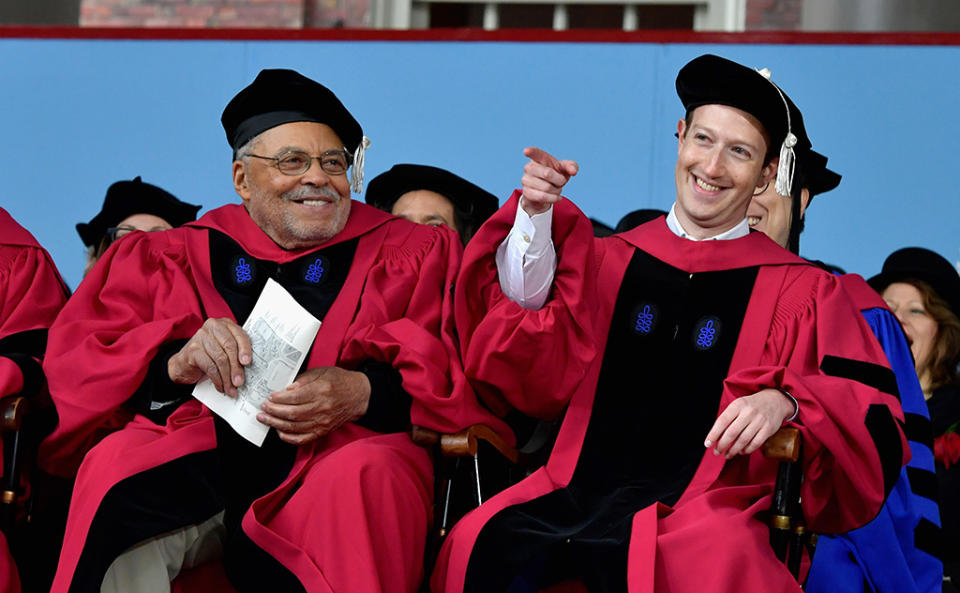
{"type": "Point", "coordinates": [312, 193]}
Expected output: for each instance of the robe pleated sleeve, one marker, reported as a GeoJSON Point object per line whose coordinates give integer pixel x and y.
{"type": "Point", "coordinates": [405, 318]}
{"type": "Point", "coordinates": [820, 350]}
{"type": "Point", "coordinates": [31, 295]}
{"type": "Point", "coordinates": [505, 357]}
{"type": "Point", "coordinates": [137, 298]}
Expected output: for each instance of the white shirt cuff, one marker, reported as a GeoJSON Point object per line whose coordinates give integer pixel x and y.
{"type": "Point", "coordinates": [527, 260]}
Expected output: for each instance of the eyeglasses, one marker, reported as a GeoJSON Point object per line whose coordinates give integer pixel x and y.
{"type": "Point", "coordinates": [115, 232]}
{"type": "Point", "coordinates": [297, 162]}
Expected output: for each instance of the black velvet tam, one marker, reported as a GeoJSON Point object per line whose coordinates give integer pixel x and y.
{"type": "Point", "coordinates": [279, 97]}
{"type": "Point", "coordinates": [125, 198]}
{"type": "Point", "coordinates": [385, 189]}
{"type": "Point", "coordinates": [921, 264]}
{"type": "Point", "coordinates": [712, 80]}
{"type": "Point", "coordinates": [816, 176]}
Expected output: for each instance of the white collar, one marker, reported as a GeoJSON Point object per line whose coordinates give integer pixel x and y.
{"type": "Point", "coordinates": [673, 223]}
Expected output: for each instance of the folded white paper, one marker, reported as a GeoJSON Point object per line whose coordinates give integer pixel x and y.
{"type": "Point", "coordinates": [281, 333]}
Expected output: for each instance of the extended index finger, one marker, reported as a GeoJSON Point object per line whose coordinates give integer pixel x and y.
{"type": "Point", "coordinates": [567, 168]}
{"type": "Point", "coordinates": [544, 158]}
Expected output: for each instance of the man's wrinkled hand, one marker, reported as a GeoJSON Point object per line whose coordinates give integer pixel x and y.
{"type": "Point", "coordinates": [219, 350]}
{"type": "Point", "coordinates": [543, 179]}
{"type": "Point", "coordinates": [748, 422]}
{"type": "Point", "coordinates": [320, 400]}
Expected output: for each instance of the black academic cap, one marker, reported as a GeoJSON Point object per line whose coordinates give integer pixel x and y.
{"type": "Point", "coordinates": [634, 219]}
{"type": "Point", "coordinates": [817, 178]}
{"type": "Point", "coordinates": [280, 96]}
{"type": "Point", "coordinates": [921, 264]}
{"type": "Point", "coordinates": [712, 80]}
{"type": "Point", "coordinates": [386, 188]}
{"type": "Point", "coordinates": [125, 198]}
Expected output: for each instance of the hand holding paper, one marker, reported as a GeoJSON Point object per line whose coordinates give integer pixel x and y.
{"type": "Point", "coordinates": [321, 400]}
{"type": "Point", "coordinates": [281, 333]}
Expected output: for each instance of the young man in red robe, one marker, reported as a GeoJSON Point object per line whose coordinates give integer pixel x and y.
{"type": "Point", "coordinates": [31, 295]}
{"type": "Point", "coordinates": [338, 498]}
{"type": "Point", "coordinates": [675, 350]}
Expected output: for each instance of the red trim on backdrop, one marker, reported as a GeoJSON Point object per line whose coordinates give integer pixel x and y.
{"type": "Point", "coordinates": [516, 35]}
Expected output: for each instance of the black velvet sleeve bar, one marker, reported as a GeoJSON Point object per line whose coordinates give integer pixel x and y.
{"type": "Point", "coordinates": [158, 395]}
{"type": "Point", "coordinates": [389, 407]}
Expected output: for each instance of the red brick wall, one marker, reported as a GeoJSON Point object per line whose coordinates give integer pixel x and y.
{"type": "Point", "coordinates": [337, 13]}
{"type": "Point", "coordinates": [774, 15]}
{"type": "Point", "coordinates": [192, 13]}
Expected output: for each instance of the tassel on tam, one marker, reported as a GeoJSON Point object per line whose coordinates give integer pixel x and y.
{"type": "Point", "coordinates": [356, 174]}
{"type": "Point", "coordinates": [788, 158]}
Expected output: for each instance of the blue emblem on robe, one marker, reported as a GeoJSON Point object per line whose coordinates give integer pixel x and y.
{"type": "Point", "coordinates": [242, 271]}
{"type": "Point", "coordinates": [706, 333]}
{"type": "Point", "coordinates": [644, 319]}
{"type": "Point", "coordinates": [316, 271]}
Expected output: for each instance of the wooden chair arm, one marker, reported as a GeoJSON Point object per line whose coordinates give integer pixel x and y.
{"type": "Point", "coordinates": [466, 442]}
{"type": "Point", "coordinates": [13, 410]}
{"type": "Point", "coordinates": [784, 445]}
{"type": "Point", "coordinates": [424, 436]}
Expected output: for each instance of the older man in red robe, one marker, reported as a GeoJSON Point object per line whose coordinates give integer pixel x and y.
{"type": "Point", "coordinates": [338, 497]}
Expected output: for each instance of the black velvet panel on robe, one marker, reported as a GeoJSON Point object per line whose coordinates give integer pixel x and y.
{"type": "Point", "coordinates": [671, 340]}
{"type": "Point", "coordinates": [157, 501]}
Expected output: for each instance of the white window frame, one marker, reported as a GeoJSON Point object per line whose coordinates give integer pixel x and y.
{"type": "Point", "coordinates": [708, 15]}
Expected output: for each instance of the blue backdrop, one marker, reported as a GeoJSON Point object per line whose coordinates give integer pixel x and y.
{"type": "Point", "coordinates": [78, 115]}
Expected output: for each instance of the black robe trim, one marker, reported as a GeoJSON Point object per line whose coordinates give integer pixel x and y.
{"type": "Point", "coordinates": [918, 429]}
{"type": "Point", "coordinates": [883, 430]}
{"type": "Point", "coordinates": [31, 341]}
{"type": "Point", "coordinates": [923, 483]}
{"type": "Point", "coordinates": [927, 537]}
{"type": "Point", "coordinates": [665, 323]}
{"type": "Point", "coordinates": [873, 375]}
{"type": "Point", "coordinates": [251, 570]}
{"type": "Point", "coordinates": [26, 349]}
{"type": "Point", "coordinates": [185, 491]}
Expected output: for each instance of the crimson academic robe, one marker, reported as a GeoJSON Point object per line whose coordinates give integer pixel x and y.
{"type": "Point", "coordinates": [645, 338]}
{"type": "Point", "coordinates": [899, 550]}
{"type": "Point", "coordinates": [31, 295]}
{"type": "Point", "coordinates": [346, 512]}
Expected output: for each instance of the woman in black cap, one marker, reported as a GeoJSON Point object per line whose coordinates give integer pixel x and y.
{"type": "Point", "coordinates": [923, 290]}
{"type": "Point", "coordinates": [132, 206]}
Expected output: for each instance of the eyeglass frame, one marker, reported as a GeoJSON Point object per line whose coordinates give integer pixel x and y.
{"type": "Point", "coordinates": [347, 157]}
{"type": "Point", "coordinates": [111, 232]}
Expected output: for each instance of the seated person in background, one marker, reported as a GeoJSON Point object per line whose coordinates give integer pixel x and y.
{"type": "Point", "coordinates": [898, 550]}
{"type": "Point", "coordinates": [433, 196]}
{"type": "Point", "coordinates": [635, 218]}
{"type": "Point", "coordinates": [131, 206]}
{"type": "Point", "coordinates": [601, 229]}
{"type": "Point", "coordinates": [674, 357]}
{"type": "Point", "coordinates": [922, 288]}
{"type": "Point", "coordinates": [31, 295]}
{"type": "Point", "coordinates": [339, 497]}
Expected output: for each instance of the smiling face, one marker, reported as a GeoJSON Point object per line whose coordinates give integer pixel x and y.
{"type": "Point", "coordinates": [296, 211]}
{"type": "Point", "coordinates": [719, 166]}
{"type": "Point", "coordinates": [771, 214]}
{"type": "Point", "coordinates": [907, 303]}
